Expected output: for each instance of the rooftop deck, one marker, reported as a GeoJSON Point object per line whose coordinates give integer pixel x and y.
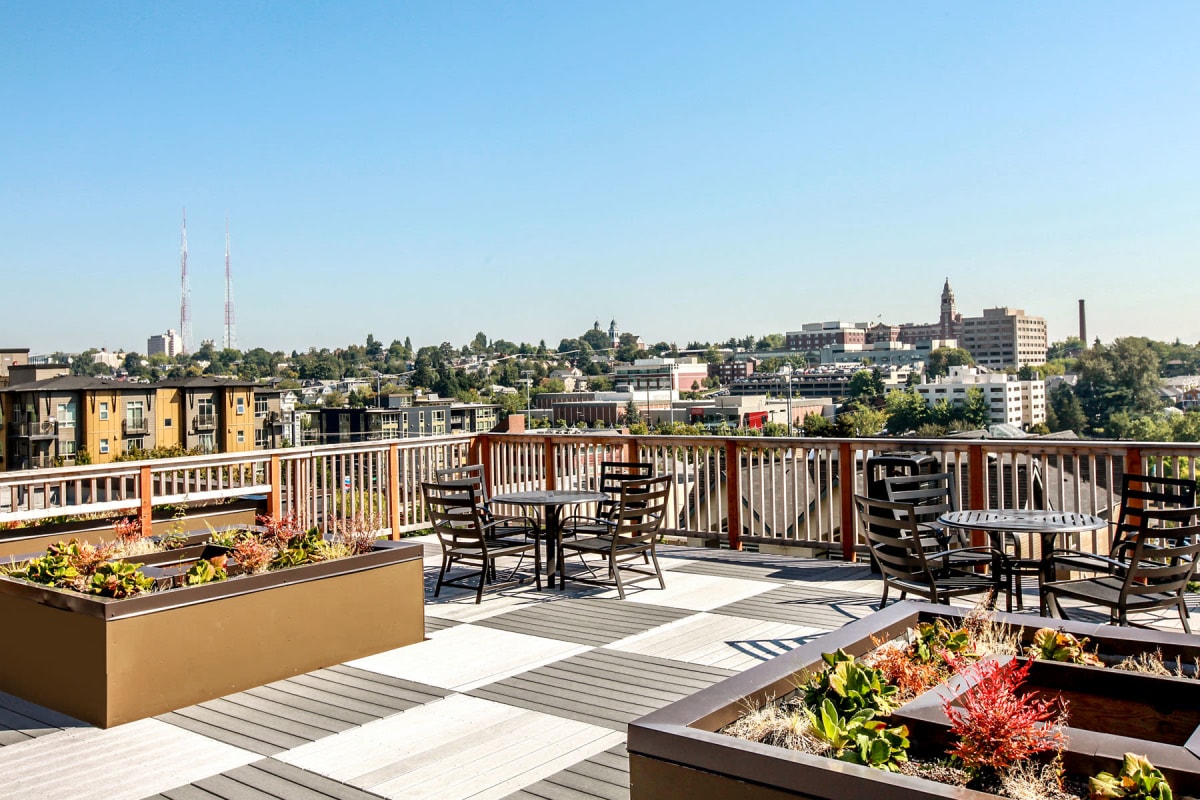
{"type": "Point", "coordinates": [526, 695]}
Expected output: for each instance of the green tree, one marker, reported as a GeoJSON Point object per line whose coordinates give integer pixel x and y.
{"type": "Point", "coordinates": [334, 399]}
{"type": "Point", "coordinates": [866, 384]}
{"type": "Point", "coordinates": [818, 425]}
{"type": "Point", "coordinates": [975, 410]}
{"type": "Point", "coordinates": [1186, 427]}
{"type": "Point", "coordinates": [906, 410]}
{"type": "Point", "coordinates": [1064, 411]}
{"type": "Point", "coordinates": [1143, 428]}
{"type": "Point", "coordinates": [939, 362]}
{"type": "Point", "coordinates": [596, 339]}
{"type": "Point", "coordinates": [862, 421]}
{"type": "Point", "coordinates": [1120, 377]}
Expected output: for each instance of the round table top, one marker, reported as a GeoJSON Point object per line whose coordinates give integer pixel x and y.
{"type": "Point", "coordinates": [551, 497]}
{"type": "Point", "coordinates": [1023, 519]}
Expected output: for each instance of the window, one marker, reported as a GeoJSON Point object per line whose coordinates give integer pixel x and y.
{"type": "Point", "coordinates": [103, 444]}
{"type": "Point", "coordinates": [208, 443]}
{"type": "Point", "coordinates": [135, 444]}
{"type": "Point", "coordinates": [241, 437]}
{"type": "Point", "coordinates": [66, 414]}
{"type": "Point", "coordinates": [66, 448]}
{"type": "Point", "coordinates": [260, 406]}
{"type": "Point", "coordinates": [103, 411]}
{"type": "Point", "coordinates": [241, 405]}
{"type": "Point", "coordinates": [135, 415]}
{"type": "Point", "coordinates": [167, 422]}
{"type": "Point", "coordinates": [260, 438]}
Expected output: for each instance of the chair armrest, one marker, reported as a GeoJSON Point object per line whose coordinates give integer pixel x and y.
{"type": "Point", "coordinates": [992, 551]}
{"type": "Point", "coordinates": [1062, 553]}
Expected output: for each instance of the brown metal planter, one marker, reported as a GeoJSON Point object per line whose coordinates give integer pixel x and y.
{"type": "Point", "coordinates": [676, 752]}
{"type": "Point", "coordinates": [110, 661]}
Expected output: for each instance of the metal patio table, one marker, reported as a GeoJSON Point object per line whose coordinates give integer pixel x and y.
{"type": "Point", "coordinates": [1048, 524]}
{"type": "Point", "coordinates": [552, 500]}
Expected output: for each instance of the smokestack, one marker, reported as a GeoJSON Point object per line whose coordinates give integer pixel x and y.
{"type": "Point", "coordinates": [1083, 325]}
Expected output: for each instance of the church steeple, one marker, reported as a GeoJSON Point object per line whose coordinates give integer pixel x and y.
{"type": "Point", "coordinates": [948, 317]}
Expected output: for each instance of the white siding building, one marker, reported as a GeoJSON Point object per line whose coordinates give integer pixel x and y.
{"type": "Point", "coordinates": [1009, 400]}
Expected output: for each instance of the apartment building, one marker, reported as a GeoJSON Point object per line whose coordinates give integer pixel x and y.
{"type": "Point", "coordinates": [1005, 337]}
{"type": "Point", "coordinates": [341, 425]}
{"type": "Point", "coordinates": [822, 382]}
{"type": "Point", "coordinates": [1009, 400]}
{"type": "Point", "coordinates": [55, 421]}
{"type": "Point", "coordinates": [814, 335]}
{"type": "Point", "coordinates": [732, 370]}
{"type": "Point", "coordinates": [169, 343]}
{"type": "Point", "coordinates": [11, 356]}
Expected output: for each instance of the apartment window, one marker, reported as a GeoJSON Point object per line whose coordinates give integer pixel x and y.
{"type": "Point", "coordinates": [135, 444]}
{"type": "Point", "coordinates": [260, 438]}
{"type": "Point", "coordinates": [241, 405]}
{"type": "Point", "coordinates": [167, 422]}
{"type": "Point", "coordinates": [241, 437]}
{"type": "Point", "coordinates": [66, 448]}
{"type": "Point", "coordinates": [260, 406]}
{"type": "Point", "coordinates": [66, 414]}
{"type": "Point", "coordinates": [103, 411]}
{"type": "Point", "coordinates": [135, 414]}
{"type": "Point", "coordinates": [103, 444]}
{"type": "Point", "coordinates": [208, 442]}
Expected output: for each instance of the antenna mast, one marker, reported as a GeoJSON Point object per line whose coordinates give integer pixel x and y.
{"type": "Point", "coordinates": [230, 342]}
{"type": "Point", "coordinates": [185, 294]}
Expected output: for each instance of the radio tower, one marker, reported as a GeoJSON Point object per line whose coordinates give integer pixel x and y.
{"type": "Point", "coordinates": [230, 335]}
{"type": "Point", "coordinates": [185, 295]}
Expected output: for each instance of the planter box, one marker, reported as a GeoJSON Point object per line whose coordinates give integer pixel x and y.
{"type": "Point", "coordinates": [108, 661]}
{"type": "Point", "coordinates": [676, 752]}
{"type": "Point", "coordinates": [36, 538]}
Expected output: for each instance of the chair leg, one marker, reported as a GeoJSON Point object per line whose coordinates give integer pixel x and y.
{"type": "Point", "coordinates": [662, 583]}
{"type": "Point", "coordinates": [483, 573]}
{"type": "Point", "coordinates": [883, 600]}
{"type": "Point", "coordinates": [441, 575]}
{"type": "Point", "coordinates": [1183, 615]}
{"type": "Point", "coordinates": [615, 571]}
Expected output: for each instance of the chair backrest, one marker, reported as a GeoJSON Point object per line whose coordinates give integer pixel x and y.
{"type": "Point", "coordinates": [1145, 497]}
{"type": "Point", "coordinates": [454, 509]}
{"type": "Point", "coordinates": [894, 536]}
{"type": "Point", "coordinates": [463, 472]}
{"type": "Point", "coordinates": [931, 495]}
{"type": "Point", "coordinates": [641, 509]}
{"type": "Point", "coordinates": [1163, 557]}
{"type": "Point", "coordinates": [613, 474]}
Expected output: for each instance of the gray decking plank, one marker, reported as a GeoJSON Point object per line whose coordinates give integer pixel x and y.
{"type": "Point", "coordinates": [267, 727]}
{"type": "Point", "coordinates": [803, 605]}
{"type": "Point", "coordinates": [604, 776]}
{"type": "Point", "coordinates": [274, 717]}
{"type": "Point", "coordinates": [214, 730]}
{"type": "Point", "coordinates": [227, 788]}
{"type": "Point", "coordinates": [306, 701]}
{"type": "Point", "coordinates": [381, 691]}
{"type": "Point", "coordinates": [315, 724]}
{"type": "Point", "coordinates": [14, 736]}
{"type": "Point", "coordinates": [295, 776]}
{"type": "Point", "coordinates": [188, 792]}
{"type": "Point", "coordinates": [357, 703]}
{"type": "Point", "coordinates": [592, 621]}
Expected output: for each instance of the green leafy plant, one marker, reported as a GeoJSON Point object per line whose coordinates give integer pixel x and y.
{"type": "Point", "coordinates": [859, 739]}
{"type": "Point", "coordinates": [50, 570]}
{"type": "Point", "coordinates": [851, 686]}
{"type": "Point", "coordinates": [206, 571]}
{"type": "Point", "coordinates": [298, 551]}
{"type": "Point", "coordinates": [934, 640]}
{"type": "Point", "coordinates": [118, 579]}
{"type": "Point", "coordinates": [1137, 780]}
{"type": "Point", "coordinates": [176, 536]}
{"type": "Point", "coordinates": [1058, 645]}
{"type": "Point", "coordinates": [226, 538]}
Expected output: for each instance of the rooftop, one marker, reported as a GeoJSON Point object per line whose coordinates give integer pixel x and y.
{"type": "Point", "coordinates": [522, 697]}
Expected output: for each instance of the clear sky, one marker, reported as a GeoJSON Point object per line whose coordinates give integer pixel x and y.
{"type": "Point", "coordinates": [696, 170]}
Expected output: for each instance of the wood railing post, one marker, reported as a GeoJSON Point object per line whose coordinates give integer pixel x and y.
{"type": "Point", "coordinates": [976, 488]}
{"type": "Point", "coordinates": [275, 498]}
{"type": "Point", "coordinates": [393, 490]}
{"type": "Point", "coordinates": [846, 496]}
{"type": "Point", "coordinates": [484, 456]}
{"type": "Point", "coordinates": [146, 493]}
{"type": "Point", "coordinates": [733, 494]}
{"type": "Point", "coordinates": [548, 463]}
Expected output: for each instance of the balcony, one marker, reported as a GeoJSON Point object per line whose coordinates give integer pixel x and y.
{"type": "Point", "coordinates": [274, 418]}
{"type": "Point", "coordinates": [134, 427]}
{"type": "Point", "coordinates": [39, 429]}
{"type": "Point", "coordinates": [204, 422]}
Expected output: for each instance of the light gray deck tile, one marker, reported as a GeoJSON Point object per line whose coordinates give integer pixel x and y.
{"type": "Point", "coordinates": [719, 640]}
{"type": "Point", "coordinates": [777, 569]}
{"type": "Point", "coordinates": [800, 604]}
{"type": "Point", "coordinates": [695, 592]}
{"type": "Point", "coordinates": [465, 656]}
{"type": "Point", "coordinates": [592, 621]}
{"type": "Point", "coordinates": [127, 762]}
{"type": "Point", "coordinates": [604, 776]}
{"type": "Point", "coordinates": [604, 687]}
{"type": "Point", "coordinates": [458, 747]}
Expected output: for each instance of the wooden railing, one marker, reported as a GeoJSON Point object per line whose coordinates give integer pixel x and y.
{"type": "Point", "coordinates": [766, 491]}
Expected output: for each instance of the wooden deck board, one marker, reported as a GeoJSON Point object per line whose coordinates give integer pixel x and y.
{"type": "Point", "coordinates": [593, 621]}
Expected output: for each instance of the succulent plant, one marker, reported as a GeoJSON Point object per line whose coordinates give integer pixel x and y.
{"type": "Point", "coordinates": [1058, 645]}
{"type": "Point", "coordinates": [1138, 780]}
{"type": "Point", "coordinates": [118, 579]}
{"type": "Point", "coordinates": [851, 686]}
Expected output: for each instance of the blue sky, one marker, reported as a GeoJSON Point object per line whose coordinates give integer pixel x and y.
{"type": "Point", "coordinates": [695, 170]}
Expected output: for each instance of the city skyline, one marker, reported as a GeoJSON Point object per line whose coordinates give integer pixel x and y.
{"type": "Point", "coordinates": [696, 174]}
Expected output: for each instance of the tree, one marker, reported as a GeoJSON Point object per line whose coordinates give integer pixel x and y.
{"type": "Point", "coordinates": [864, 385]}
{"type": "Point", "coordinates": [334, 399]}
{"type": "Point", "coordinates": [862, 421]}
{"type": "Point", "coordinates": [817, 425]}
{"type": "Point", "coordinates": [597, 339]}
{"type": "Point", "coordinates": [1121, 377]}
{"type": "Point", "coordinates": [939, 362]}
{"type": "Point", "coordinates": [479, 345]}
{"type": "Point", "coordinates": [1064, 412]}
{"type": "Point", "coordinates": [1071, 347]}
{"type": "Point", "coordinates": [906, 410]}
{"type": "Point", "coordinates": [975, 411]}
{"type": "Point", "coordinates": [772, 341]}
